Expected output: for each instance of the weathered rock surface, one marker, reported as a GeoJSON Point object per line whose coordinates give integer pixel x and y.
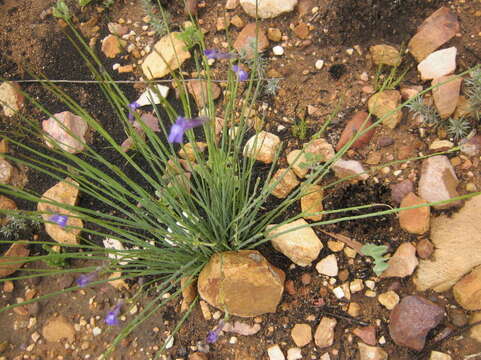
{"type": "Point", "coordinates": [351, 169]}
{"type": "Point", "coordinates": [401, 189]}
{"type": "Point", "coordinates": [267, 8]}
{"type": "Point", "coordinates": [366, 334]}
{"type": "Point", "coordinates": [242, 283]}
{"type": "Point", "coordinates": [112, 46]}
{"type": "Point", "coordinates": [16, 250]}
{"type": "Point", "coordinates": [367, 352]}
{"type": "Point", "coordinates": [285, 181]}
{"type": "Point", "coordinates": [385, 55]}
{"type": "Point", "coordinates": [301, 334]}
{"type": "Point", "coordinates": [356, 124]}
{"type": "Point", "coordinates": [414, 221]}
{"type": "Point", "coordinates": [457, 240]}
{"type": "Point", "coordinates": [467, 291]}
{"type": "Point", "coordinates": [262, 147]}
{"type": "Point", "coordinates": [446, 96]}
{"type": "Point", "coordinates": [11, 98]}
{"type": "Point", "coordinates": [320, 149]}
{"type": "Point", "coordinates": [298, 162]}
{"type": "Point", "coordinates": [248, 38]}
{"type": "Point", "coordinates": [436, 30]}
{"type": "Point", "coordinates": [436, 355]}
{"type": "Point", "coordinates": [64, 192]}
{"type": "Point", "coordinates": [383, 103]}
{"type": "Point", "coordinates": [438, 181]}
{"type": "Point", "coordinates": [200, 90]}
{"type": "Point", "coordinates": [312, 202]}
{"type": "Point", "coordinates": [58, 328]}
{"type": "Point", "coordinates": [302, 246]}
{"type": "Point", "coordinates": [169, 54]}
{"type": "Point", "coordinates": [437, 64]}
{"type": "Point", "coordinates": [403, 262]}
{"type": "Point", "coordinates": [412, 319]}
{"type": "Point", "coordinates": [324, 335]}
{"type": "Point", "coordinates": [275, 353]}
{"type": "Point", "coordinates": [67, 131]}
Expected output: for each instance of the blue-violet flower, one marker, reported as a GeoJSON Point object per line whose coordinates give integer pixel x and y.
{"type": "Point", "coordinates": [214, 54]}
{"type": "Point", "coordinates": [241, 74]}
{"type": "Point", "coordinates": [112, 316]}
{"type": "Point", "coordinates": [132, 107]}
{"type": "Point", "coordinates": [60, 220]}
{"type": "Point", "coordinates": [85, 279]}
{"type": "Point", "coordinates": [213, 335]}
{"type": "Point", "coordinates": [182, 124]}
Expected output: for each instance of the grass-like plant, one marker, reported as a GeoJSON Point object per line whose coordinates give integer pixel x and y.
{"type": "Point", "coordinates": [185, 210]}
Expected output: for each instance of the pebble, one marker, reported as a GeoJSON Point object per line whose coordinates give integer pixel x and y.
{"type": "Point", "coordinates": [294, 354]}
{"type": "Point", "coordinates": [243, 42]}
{"type": "Point", "coordinates": [424, 248]}
{"type": "Point", "coordinates": [278, 50]}
{"type": "Point", "coordinates": [385, 54]}
{"type": "Point", "coordinates": [339, 292]}
{"type": "Point", "coordinates": [367, 352]}
{"type": "Point", "coordinates": [11, 98]}
{"type": "Point", "coordinates": [414, 221]}
{"type": "Point", "coordinates": [328, 266]}
{"type": "Point", "coordinates": [324, 335]}
{"type": "Point", "coordinates": [354, 309]}
{"type": "Point", "coordinates": [301, 334]}
{"type": "Point", "coordinates": [436, 355]}
{"type": "Point", "coordinates": [262, 147]}
{"type": "Point", "coordinates": [274, 34]}
{"type": "Point", "coordinates": [356, 285]}
{"type": "Point", "coordinates": [388, 299]}
{"type": "Point", "coordinates": [467, 291]}
{"type": "Point", "coordinates": [446, 96]}
{"type": "Point", "coordinates": [400, 190]}
{"type": "Point", "coordinates": [335, 246]}
{"type": "Point", "coordinates": [267, 8]}
{"type": "Point", "coordinates": [366, 334]}
{"type": "Point", "coordinates": [403, 262]}
{"type": "Point", "coordinates": [383, 105]}
{"type": "Point", "coordinates": [438, 63]}
{"type": "Point", "coordinates": [319, 64]}
{"type": "Point", "coordinates": [275, 353]}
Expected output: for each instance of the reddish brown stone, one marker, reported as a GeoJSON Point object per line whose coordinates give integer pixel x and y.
{"type": "Point", "coordinates": [358, 123]}
{"type": "Point", "coordinates": [246, 40]}
{"type": "Point", "coordinates": [424, 248]}
{"type": "Point", "coordinates": [366, 334]}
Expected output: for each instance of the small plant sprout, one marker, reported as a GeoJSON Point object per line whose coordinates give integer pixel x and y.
{"type": "Point", "coordinates": [112, 316]}
{"type": "Point", "coordinates": [272, 86]}
{"type": "Point", "coordinates": [473, 92]}
{"type": "Point", "coordinates": [181, 125]}
{"type": "Point", "coordinates": [60, 10]}
{"type": "Point", "coordinates": [458, 128]}
{"type": "Point", "coordinates": [376, 252]}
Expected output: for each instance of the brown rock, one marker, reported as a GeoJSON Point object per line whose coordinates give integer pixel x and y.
{"type": "Point", "coordinates": [242, 283]}
{"type": "Point", "coordinates": [246, 40]}
{"type": "Point", "coordinates": [190, 7]}
{"type": "Point", "coordinates": [389, 300]}
{"type": "Point", "coordinates": [189, 292]}
{"type": "Point", "coordinates": [201, 90]}
{"type": "Point", "coordinates": [446, 96]}
{"type": "Point", "coordinates": [58, 328]}
{"type": "Point", "coordinates": [410, 91]}
{"type": "Point", "coordinates": [274, 34]}
{"type": "Point", "coordinates": [405, 152]}
{"type": "Point", "coordinates": [112, 46]}
{"type": "Point", "coordinates": [298, 162]}
{"type": "Point", "coordinates": [285, 181]}
{"type": "Point", "coordinates": [385, 54]}
{"type": "Point", "coordinates": [366, 334]}
{"type": "Point", "coordinates": [12, 259]}
{"type": "Point", "coordinates": [356, 124]}
{"type": "Point", "coordinates": [400, 190]}
{"type": "Point", "coordinates": [324, 335]}
{"type": "Point", "coordinates": [403, 262]}
{"type": "Point", "coordinates": [414, 221]}
{"type": "Point", "coordinates": [301, 334]}
{"type": "Point", "coordinates": [8, 205]}
{"type": "Point", "coordinates": [424, 248]}
{"type": "Point", "coordinates": [262, 147]}
{"type": "Point", "coordinates": [322, 151]}
{"type": "Point", "coordinates": [436, 30]}
{"type": "Point", "coordinates": [467, 291]}
{"type": "Point", "coordinates": [374, 158]}
{"type": "Point", "coordinates": [65, 192]}
{"type": "Point", "coordinates": [238, 22]}
{"type": "Point", "coordinates": [301, 31]}
{"type": "Point", "coordinates": [371, 352]}
{"type": "Point", "coordinates": [65, 130]}
{"type": "Point", "coordinates": [312, 202]}
{"type": "Point", "coordinates": [383, 103]}
{"type": "Point", "coordinates": [302, 245]}
{"type": "Point", "coordinates": [475, 331]}
{"type": "Point", "coordinates": [412, 319]}
{"type": "Point", "coordinates": [463, 108]}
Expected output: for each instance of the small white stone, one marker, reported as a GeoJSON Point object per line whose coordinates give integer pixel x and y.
{"type": "Point", "coordinates": [233, 340]}
{"type": "Point", "coordinates": [169, 342]}
{"type": "Point", "coordinates": [319, 64]}
{"type": "Point", "coordinates": [115, 66]}
{"type": "Point", "coordinates": [217, 315]}
{"type": "Point", "coordinates": [325, 356]}
{"type": "Point", "coordinates": [356, 285]}
{"type": "Point", "coordinates": [370, 284]}
{"type": "Point", "coordinates": [338, 292]}
{"type": "Point", "coordinates": [96, 331]}
{"type": "Point", "coordinates": [328, 266]}
{"type": "Point", "coordinates": [382, 340]}
{"type": "Point", "coordinates": [294, 354]}
{"type": "Point", "coordinates": [275, 353]}
{"type": "Point", "coordinates": [350, 51]}
{"type": "Point", "coordinates": [278, 50]}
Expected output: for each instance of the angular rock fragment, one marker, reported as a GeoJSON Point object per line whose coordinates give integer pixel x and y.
{"type": "Point", "coordinates": [328, 266]}
{"type": "Point", "coordinates": [383, 105]}
{"type": "Point", "coordinates": [301, 334]}
{"type": "Point", "coordinates": [67, 131]}
{"type": "Point", "coordinates": [356, 124]}
{"type": "Point", "coordinates": [414, 221]}
{"type": "Point", "coordinates": [285, 181]}
{"type": "Point", "coordinates": [324, 335]}
{"type": "Point", "coordinates": [112, 46]}
{"type": "Point", "coordinates": [366, 334]}
{"type": "Point", "coordinates": [403, 262]}
{"type": "Point", "coordinates": [311, 203]}
{"type": "Point", "coordinates": [262, 147]}
{"type": "Point", "coordinates": [467, 291]}
{"type": "Point", "coordinates": [437, 64]}
{"type": "Point", "coordinates": [446, 96]}
{"type": "Point", "coordinates": [298, 162]}
{"type": "Point", "coordinates": [200, 90]}
{"type": "Point", "coordinates": [250, 38]}
{"type": "Point", "coordinates": [11, 98]}
{"type": "Point", "coordinates": [352, 170]}
{"type": "Point", "coordinates": [367, 352]}
{"type": "Point", "coordinates": [320, 150]}
{"type": "Point", "coordinates": [385, 55]}
{"type": "Point", "coordinates": [267, 8]}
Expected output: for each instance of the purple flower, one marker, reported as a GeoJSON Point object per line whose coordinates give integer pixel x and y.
{"type": "Point", "coordinates": [241, 74]}
{"type": "Point", "coordinates": [112, 316]}
{"type": "Point", "coordinates": [132, 107]}
{"type": "Point", "coordinates": [182, 124]}
{"type": "Point", "coordinates": [60, 220]}
{"type": "Point", "coordinates": [85, 279]}
{"type": "Point", "coordinates": [214, 54]}
{"type": "Point", "coordinates": [214, 334]}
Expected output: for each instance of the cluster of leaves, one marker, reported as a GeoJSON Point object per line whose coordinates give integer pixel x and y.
{"type": "Point", "coordinates": [377, 253]}
{"type": "Point", "coordinates": [18, 226]}
{"type": "Point", "coordinates": [191, 36]}
{"type": "Point", "coordinates": [473, 92]}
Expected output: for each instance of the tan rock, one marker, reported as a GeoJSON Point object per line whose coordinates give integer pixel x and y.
{"type": "Point", "coordinates": [16, 251]}
{"type": "Point", "coordinates": [321, 150]}
{"type": "Point", "coordinates": [324, 335]}
{"type": "Point", "coordinates": [350, 170]}
{"type": "Point", "coordinates": [11, 98]}
{"type": "Point", "coordinates": [436, 30]}
{"type": "Point", "coordinates": [383, 104]}
{"type": "Point", "coordinates": [274, 34]}
{"type": "Point", "coordinates": [169, 54]}
{"type": "Point", "coordinates": [285, 181]}
{"type": "Point", "coordinates": [237, 22]}
{"type": "Point", "coordinates": [410, 91]}
{"type": "Point", "coordinates": [58, 328]}
{"type": "Point", "coordinates": [266, 9]}
{"type": "Point", "coordinates": [201, 90]}
{"type": "Point", "coordinates": [231, 4]}
{"type": "Point", "coordinates": [312, 202]}
{"type": "Point", "coordinates": [367, 352]}
{"type": "Point", "coordinates": [301, 334]}
{"type": "Point", "coordinates": [414, 221]}
{"type": "Point", "coordinates": [248, 38]}
{"type": "Point", "coordinates": [436, 355]}
{"type": "Point", "coordinates": [301, 30]}
{"type": "Point", "coordinates": [385, 54]}
{"type": "Point", "coordinates": [67, 131]}
{"type": "Point", "coordinates": [262, 147]}
{"type": "Point", "coordinates": [6, 204]}
{"type": "Point", "coordinates": [457, 240]}
{"type": "Point", "coordinates": [354, 309]}
{"type": "Point", "coordinates": [475, 331]}
{"type": "Point", "coordinates": [328, 266]}
{"type": "Point", "coordinates": [467, 291]}
{"type": "Point", "coordinates": [403, 262]}
{"type": "Point", "coordinates": [388, 299]}
{"type": "Point", "coordinates": [6, 171]}
{"type": "Point", "coordinates": [189, 292]}
{"type": "Point", "coordinates": [298, 162]}
{"type": "Point", "coordinates": [65, 192]}
{"type": "Point", "coordinates": [187, 151]}
{"type": "Point", "coordinates": [437, 64]}
{"type": "Point", "coordinates": [463, 108]}
{"type": "Point", "coordinates": [112, 46]}
{"type": "Point", "coordinates": [446, 96]}
{"type": "Point", "coordinates": [302, 245]}
{"type": "Point", "coordinates": [242, 283]}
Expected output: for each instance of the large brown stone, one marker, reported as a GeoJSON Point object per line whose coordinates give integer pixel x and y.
{"type": "Point", "coordinates": [414, 221]}
{"type": "Point", "coordinates": [383, 105]}
{"type": "Point", "coordinates": [242, 283]}
{"type": "Point", "coordinates": [358, 123]}
{"type": "Point", "coordinates": [467, 291]}
{"type": "Point", "coordinates": [446, 96]}
{"type": "Point", "coordinates": [285, 181]}
{"type": "Point", "coordinates": [58, 328]}
{"type": "Point", "coordinates": [311, 202]}
{"type": "Point", "coordinates": [250, 38]}
{"type": "Point", "coordinates": [457, 240]}
{"type": "Point", "coordinates": [436, 30]}
{"type": "Point", "coordinates": [65, 192]}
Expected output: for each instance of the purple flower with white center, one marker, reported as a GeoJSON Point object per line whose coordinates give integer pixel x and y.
{"type": "Point", "coordinates": [241, 74]}
{"type": "Point", "coordinates": [182, 124]}
{"type": "Point", "coordinates": [214, 334]}
{"type": "Point", "coordinates": [85, 279]}
{"type": "Point", "coordinates": [132, 107]}
{"type": "Point", "coordinates": [214, 54]}
{"type": "Point", "coordinates": [60, 220]}
{"type": "Point", "coordinates": [112, 316]}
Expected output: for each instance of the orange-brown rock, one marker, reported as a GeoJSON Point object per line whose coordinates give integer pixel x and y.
{"type": "Point", "coordinates": [414, 221]}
